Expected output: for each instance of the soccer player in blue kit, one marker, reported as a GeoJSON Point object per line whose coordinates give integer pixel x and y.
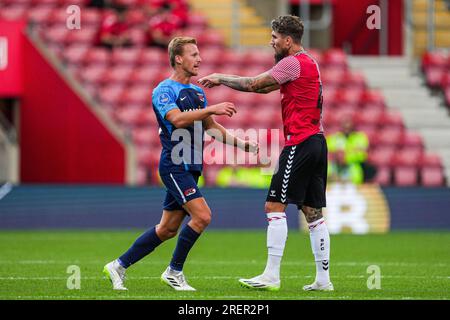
{"type": "Point", "coordinates": [179, 105]}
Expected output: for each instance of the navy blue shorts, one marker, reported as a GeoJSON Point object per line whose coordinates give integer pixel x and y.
{"type": "Point", "coordinates": [181, 188]}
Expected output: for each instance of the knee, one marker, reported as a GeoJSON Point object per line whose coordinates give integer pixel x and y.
{"type": "Point", "coordinates": [312, 214]}
{"type": "Point", "coordinates": [274, 207]}
{"type": "Point", "coordinates": [202, 219]}
{"type": "Point", "coordinates": [166, 232]}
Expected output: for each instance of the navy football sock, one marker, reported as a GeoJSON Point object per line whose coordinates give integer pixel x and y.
{"type": "Point", "coordinates": [186, 240]}
{"type": "Point", "coordinates": [143, 245]}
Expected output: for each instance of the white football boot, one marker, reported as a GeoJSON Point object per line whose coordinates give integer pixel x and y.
{"type": "Point", "coordinates": [260, 283]}
{"type": "Point", "coordinates": [116, 274]}
{"type": "Point", "coordinates": [175, 280]}
{"type": "Point", "coordinates": [316, 287]}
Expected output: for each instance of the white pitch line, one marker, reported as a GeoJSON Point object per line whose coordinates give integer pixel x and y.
{"type": "Point", "coordinates": [194, 297]}
{"type": "Point", "coordinates": [252, 262]}
{"type": "Point", "coordinates": [230, 277]}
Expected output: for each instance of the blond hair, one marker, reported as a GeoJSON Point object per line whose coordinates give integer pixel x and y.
{"type": "Point", "coordinates": [176, 45]}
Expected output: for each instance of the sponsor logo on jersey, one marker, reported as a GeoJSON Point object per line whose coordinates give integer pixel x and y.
{"type": "Point", "coordinates": [189, 192]}
{"type": "Point", "coordinates": [272, 193]}
{"type": "Point", "coordinates": [201, 97]}
{"type": "Point", "coordinates": [164, 98]}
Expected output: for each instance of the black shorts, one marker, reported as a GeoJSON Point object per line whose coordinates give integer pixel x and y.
{"type": "Point", "coordinates": [301, 178]}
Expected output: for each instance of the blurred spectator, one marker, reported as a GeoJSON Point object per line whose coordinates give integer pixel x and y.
{"type": "Point", "coordinates": [114, 30]}
{"type": "Point", "coordinates": [162, 27]}
{"type": "Point", "coordinates": [354, 145]}
{"type": "Point", "coordinates": [179, 8]}
{"type": "Point", "coordinates": [250, 177]}
{"type": "Point", "coordinates": [339, 170]}
{"type": "Point", "coordinates": [101, 4]}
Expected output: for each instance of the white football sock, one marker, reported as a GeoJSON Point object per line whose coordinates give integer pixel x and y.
{"type": "Point", "coordinates": [276, 239]}
{"type": "Point", "coordinates": [320, 245]}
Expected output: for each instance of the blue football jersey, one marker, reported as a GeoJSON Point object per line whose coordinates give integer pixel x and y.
{"type": "Point", "coordinates": [182, 149]}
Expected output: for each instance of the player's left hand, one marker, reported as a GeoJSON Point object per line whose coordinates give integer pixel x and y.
{"type": "Point", "coordinates": [210, 81]}
{"type": "Point", "coordinates": [251, 146]}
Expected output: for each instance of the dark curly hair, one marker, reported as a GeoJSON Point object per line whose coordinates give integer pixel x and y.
{"type": "Point", "coordinates": [289, 26]}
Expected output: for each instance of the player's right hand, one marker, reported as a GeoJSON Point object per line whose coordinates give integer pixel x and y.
{"type": "Point", "coordinates": [224, 108]}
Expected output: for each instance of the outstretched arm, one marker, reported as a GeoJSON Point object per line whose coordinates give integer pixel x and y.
{"type": "Point", "coordinates": [184, 119]}
{"type": "Point", "coordinates": [224, 136]}
{"type": "Point", "coordinates": [263, 83]}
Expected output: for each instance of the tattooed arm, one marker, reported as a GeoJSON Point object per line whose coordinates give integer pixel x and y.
{"type": "Point", "coordinates": [263, 83]}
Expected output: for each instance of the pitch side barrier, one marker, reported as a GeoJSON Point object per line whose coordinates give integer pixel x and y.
{"type": "Point", "coordinates": [350, 209]}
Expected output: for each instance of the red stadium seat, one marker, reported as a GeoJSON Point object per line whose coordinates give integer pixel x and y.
{"type": "Point", "coordinates": [445, 80]}
{"type": "Point", "coordinates": [153, 56]}
{"type": "Point", "coordinates": [136, 16]}
{"type": "Point", "coordinates": [148, 156]}
{"type": "Point", "coordinates": [407, 157]}
{"type": "Point", "coordinates": [434, 59]}
{"type": "Point", "coordinates": [145, 76]}
{"type": "Point", "coordinates": [373, 97]}
{"type": "Point", "coordinates": [92, 74]}
{"type": "Point", "coordinates": [383, 176]}
{"type": "Point", "coordinates": [137, 95]}
{"type": "Point", "coordinates": [118, 74]}
{"type": "Point", "coordinates": [211, 39]}
{"type": "Point", "coordinates": [431, 160]}
{"type": "Point", "coordinates": [381, 156]}
{"type": "Point", "coordinates": [146, 136]}
{"type": "Point", "coordinates": [332, 76]}
{"type": "Point", "coordinates": [97, 56]}
{"type": "Point", "coordinates": [349, 96]}
{"type": "Point", "coordinates": [211, 57]}
{"type": "Point", "coordinates": [354, 80]}
{"type": "Point", "coordinates": [405, 176]}
{"type": "Point", "coordinates": [138, 37]}
{"type": "Point", "coordinates": [57, 35]}
{"type": "Point", "coordinates": [18, 11]}
{"type": "Point", "coordinates": [220, 94]}
{"type": "Point", "coordinates": [75, 54]}
{"type": "Point", "coordinates": [91, 17]}
{"type": "Point", "coordinates": [335, 58]}
{"type": "Point", "coordinates": [392, 119]}
{"type": "Point", "coordinates": [391, 136]}
{"type": "Point", "coordinates": [127, 56]}
{"type": "Point", "coordinates": [84, 35]}
{"type": "Point", "coordinates": [230, 58]}
{"type": "Point", "coordinates": [39, 14]}
{"type": "Point", "coordinates": [258, 58]}
{"type": "Point", "coordinates": [58, 17]}
{"type": "Point", "coordinates": [367, 117]}
{"type": "Point", "coordinates": [412, 139]}
{"type": "Point", "coordinates": [432, 177]}
{"type": "Point", "coordinates": [434, 77]}
{"type": "Point", "coordinates": [110, 95]}
{"type": "Point", "coordinates": [197, 21]}
{"type": "Point", "coordinates": [128, 117]}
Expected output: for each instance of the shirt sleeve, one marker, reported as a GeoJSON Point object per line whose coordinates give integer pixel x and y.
{"type": "Point", "coordinates": [205, 102]}
{"type": "Point", "coordinates": [288, 69]}
{"type": "Point", "coordinates": [164, 100]}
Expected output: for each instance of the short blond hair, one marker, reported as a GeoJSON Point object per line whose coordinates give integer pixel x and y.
{"type": "Point", "coordinates": [176, 45]}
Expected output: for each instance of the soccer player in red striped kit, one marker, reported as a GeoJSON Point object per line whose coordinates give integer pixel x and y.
{"type": "Point", "coordinates": [302, 167]}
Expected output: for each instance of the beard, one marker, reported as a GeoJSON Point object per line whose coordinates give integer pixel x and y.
{"type": "Point", "coordinates": [279, 56]}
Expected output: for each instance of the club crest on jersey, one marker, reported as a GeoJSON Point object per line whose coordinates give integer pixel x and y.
{"type": "Point", "coordinates": [164, 98]}
{"type": "Point", "coordinates": [189, 192]}
{"type": "Point", "coordinates": [201, 97]}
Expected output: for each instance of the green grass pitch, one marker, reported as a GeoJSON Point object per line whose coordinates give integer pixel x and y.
{"type": "Point", "coordinates": [413, 265]}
